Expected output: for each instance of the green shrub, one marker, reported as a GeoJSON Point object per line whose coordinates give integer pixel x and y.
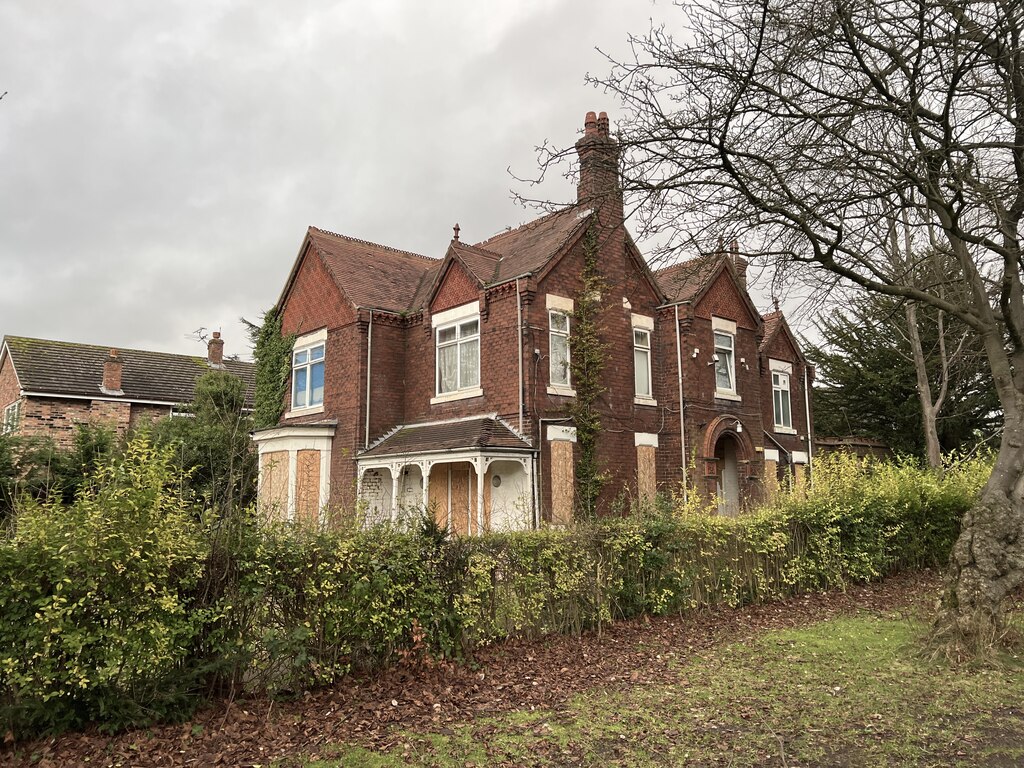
{"type": "Point", "coordinates": [94, 597]}
{"type": "Point", "coordinates": [122, 608]}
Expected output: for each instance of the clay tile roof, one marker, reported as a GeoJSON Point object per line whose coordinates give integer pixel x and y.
{"type": "Point", "coordinates": [67, 368]}
{"type": "Point", "coordinates": [772, 321]}
{"type": "Point", "coordinates": [372, 275]}
{"type": "Point", "coordinates": [484, 433]}
{"type": "Point", "coordinates": [529, 247]}
{"type": "Point", "coordinates": [683, 281]}
{"type": "Point", "coordinates": [482, 263]}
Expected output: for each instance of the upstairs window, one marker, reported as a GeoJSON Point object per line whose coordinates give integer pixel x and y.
{"type": "Point", "coordinates": [11, 418]}
{"type": "Point", "coordinates": [643, 384]}
{"type": "Point", "coordinates": [558, 348]}
{"type": "Point", "coordinates": [725, 362]}
{"type": "Point", "coordinates": [458, 356]}
{"type": "Point", "coordinates": [724, 358]}
{"type": "Point", "coordinates": [308, 376]}
{"type": "Point", "coordinates": [780, 397]}
{"type": "Point", "coordinates": [782, 374]}
{"type": "Point", "coordinates": [642, 362]}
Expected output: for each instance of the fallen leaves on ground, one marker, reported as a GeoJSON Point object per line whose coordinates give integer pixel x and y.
{"type": "Point", "coordinates": [517, 675]}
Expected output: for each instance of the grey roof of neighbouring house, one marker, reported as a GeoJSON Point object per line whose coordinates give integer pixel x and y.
{"type": "Point", "coordinates": [480, 434]}
{"type": "Point", "coordinates": [68, 368]}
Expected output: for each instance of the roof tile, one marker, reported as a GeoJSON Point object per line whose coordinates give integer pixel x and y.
{"type": "Point", "coordinates": [69, 368]}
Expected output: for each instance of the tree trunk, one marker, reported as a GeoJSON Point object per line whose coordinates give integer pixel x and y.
{"type": "Point", "coordinates": [988, 558]}
{"type": "Point", "coordinates": [929, 409]}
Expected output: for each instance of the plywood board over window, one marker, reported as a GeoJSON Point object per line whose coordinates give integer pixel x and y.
{"type": "Point", "coordinates": [307, 486]}
{"type": "Point", "coordinates": [646, 470]}
{"type": "Point", "coordinates": [563, 482]}
{"type": "Point", "coordinates": [273, 492]}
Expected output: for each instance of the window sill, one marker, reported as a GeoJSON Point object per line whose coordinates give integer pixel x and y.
{"type": "Point", "coordinates": [641, 400]}
{"type": "Point", "coordinates": [554, 389]}
{"type": "Point", "coordinates": [720, 395]}
{"type": "Point", "coordinates": [463, 394]}
{"type": "Point", "coordinates": [784, 430]}
{"type": "Point", "coordinates": [310, 411]}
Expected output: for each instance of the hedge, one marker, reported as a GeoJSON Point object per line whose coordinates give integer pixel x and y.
{"type": "Point", "coordinates": [127, 607]}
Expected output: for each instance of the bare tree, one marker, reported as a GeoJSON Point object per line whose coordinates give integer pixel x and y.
{"type": "Point", "coordinates": [806, 127]}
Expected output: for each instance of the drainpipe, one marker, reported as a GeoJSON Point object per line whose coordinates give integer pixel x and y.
{"type": "Point", "coordinates": [369, 359]}
{"type": "Point", "coordinates": [807, 409]}
{"type": "Point", "coordinates": [682, 409]}
{"type": "Point", "coordinates": [519, 346]}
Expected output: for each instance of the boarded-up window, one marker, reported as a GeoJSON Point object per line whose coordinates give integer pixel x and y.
{"type": "Point", "coordinates": [563, 482]}
{"type": "Point", "coordinates": [274, 489]}
{"type": "Point", "coordinates": [459, 499]}
{"type": "Point", "coordinates": [771, 477]}
{"type": "Point", "coordinates": [307, 486]}
{"type": "Point", "coordinates": [437, 494]}
{"type": "Point", "coordinates": [646, 479]}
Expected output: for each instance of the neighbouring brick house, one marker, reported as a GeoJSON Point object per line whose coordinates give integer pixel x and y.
{"type": "Point", "coordinates": [48, 387]}
{"type": "Point", "coordinates": [444, 382]}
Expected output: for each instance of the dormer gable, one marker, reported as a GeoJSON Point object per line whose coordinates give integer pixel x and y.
{"type": "Point", "coordinates": [721, 295]}
{"type": "Point", "coordinates": [779, 341]}
{"type": "Point", "coordinates": [455, 285]}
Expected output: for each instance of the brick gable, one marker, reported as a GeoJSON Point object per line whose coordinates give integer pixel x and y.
{"type": "Point", "coordinates": [457, 287]}
{"type": "Point", "coordinates": [314, 300]}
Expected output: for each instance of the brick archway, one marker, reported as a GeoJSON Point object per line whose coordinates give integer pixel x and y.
{"type": "Point", "coordinates": [726, 425]}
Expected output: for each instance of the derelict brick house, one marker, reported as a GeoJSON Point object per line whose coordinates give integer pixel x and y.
{"type": "Point", "coordinates": [48, 387]}
{"type": "Point", "coordinates": [444, 382]}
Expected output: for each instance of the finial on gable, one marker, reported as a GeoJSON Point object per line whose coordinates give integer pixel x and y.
{"type": "Point", "coordinates": [455, 229]}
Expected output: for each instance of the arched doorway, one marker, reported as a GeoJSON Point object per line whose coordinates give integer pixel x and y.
{"type": "Point", "coordinates": [727, 455]}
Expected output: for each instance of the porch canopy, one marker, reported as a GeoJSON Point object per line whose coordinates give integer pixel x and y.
{"type": "Point", "coordinates": [474, 474]}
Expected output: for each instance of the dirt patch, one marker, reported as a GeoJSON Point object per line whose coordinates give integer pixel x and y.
{"type": "Point", "coordinates": [514, 675]}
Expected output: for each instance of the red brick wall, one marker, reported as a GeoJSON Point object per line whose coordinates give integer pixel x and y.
{"type": "Point", "coordinates": [57, 417]}
{"type": "Point", "coordinates": [314, 300]}
{"type": "Point", "coordinates": [724, 300]}
{"type": "Point", "coordinates": [781, 348]}
{"type": "Point", "coordinates": [9, 387]}
{"type": "Point", "coordinates": [457, 288]}
{"type": "Point", "coordinates": [621, 418]}
{"type": "Point", "coordinates": [146, 415]}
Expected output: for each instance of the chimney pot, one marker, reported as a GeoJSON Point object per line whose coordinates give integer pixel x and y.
{"type": "Point", "coordinates": [112, 366]}
{"type": "Point", "coordinates": [602, 125]}
{"type": "Point", "coordinates": [590, 124]}
{"type": "Point", "coordinates": [215, 351]}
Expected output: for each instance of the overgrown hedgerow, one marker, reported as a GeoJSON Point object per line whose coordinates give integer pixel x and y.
{"type": "Point", "coordinates": [124, 607]}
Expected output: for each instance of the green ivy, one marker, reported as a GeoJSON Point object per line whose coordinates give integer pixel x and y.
{"type": "Point", "coordinates": [587, 359]}
{"type": "Point", "coordinates": [272, 351]}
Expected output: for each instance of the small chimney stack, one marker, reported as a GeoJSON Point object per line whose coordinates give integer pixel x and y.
{"type": "Point", "coordinates": [215, 351]}
{"type": "Point", "coordinates": [112, 375]}
{"type": "Point", "coordinates": [599, 167]}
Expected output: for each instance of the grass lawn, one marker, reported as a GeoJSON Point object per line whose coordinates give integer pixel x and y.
{"type": "Point", "coordinates": [849, 691]}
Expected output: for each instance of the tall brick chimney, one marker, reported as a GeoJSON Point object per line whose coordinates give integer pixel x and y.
{"type": "Point", "coordinates": [215, 351]}
{"type": "Point", "coordinates": [599, 185]}
{"type": "Point", "coordinates": [112, 375]}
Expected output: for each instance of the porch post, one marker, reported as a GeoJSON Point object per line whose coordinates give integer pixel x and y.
{"type": "Point", "coordinates": [481, 470]}
{"type": "Point", "coordinates": [528, 466]}
{"type": "Point", "coordinates": [395, 469]}
{"type": "Point", "coordinates": [425, 467]}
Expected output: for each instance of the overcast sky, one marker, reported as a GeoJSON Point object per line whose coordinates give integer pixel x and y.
{"type": "Point", "coordinates": [160, 162]}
